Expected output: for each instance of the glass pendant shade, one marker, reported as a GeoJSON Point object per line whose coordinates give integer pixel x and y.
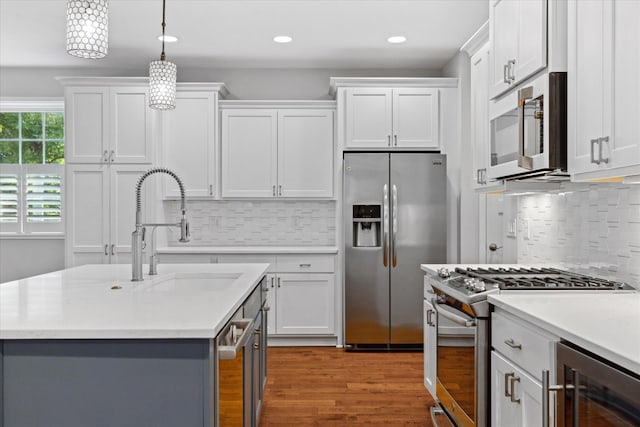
{"type": "Point", "coordinates": [162, 84]}
{"type": "Point", "coordinates": [87, 28]}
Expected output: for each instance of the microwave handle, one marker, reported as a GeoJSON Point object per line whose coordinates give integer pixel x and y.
{"type": "Point", "coordinates": [525, 162]}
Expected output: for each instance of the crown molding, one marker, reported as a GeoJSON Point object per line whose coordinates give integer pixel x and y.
{"type": "Point", "coordinates": [439, 82]}
{"type": "Point", "coordinates": [477, 40]}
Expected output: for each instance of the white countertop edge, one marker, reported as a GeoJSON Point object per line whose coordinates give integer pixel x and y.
{"type": "Point", "coordinates": [248, 250]}
{"type": "Point", "coordinates": [502, 302]}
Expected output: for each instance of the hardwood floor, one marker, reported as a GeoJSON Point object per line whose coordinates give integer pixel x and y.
{"type": "Point", "coordinates": [326, 386]}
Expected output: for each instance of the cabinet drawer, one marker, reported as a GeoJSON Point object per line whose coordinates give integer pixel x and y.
{"type": "Point", "coordinates": [306, 263]}
{"type": "Point", "coordinates": [528, 347]}
{"type": "Point", "coordinates": [249, 259]}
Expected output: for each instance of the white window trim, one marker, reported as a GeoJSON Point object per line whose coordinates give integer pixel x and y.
{"type": "Point", "coordinates": [21, 230]}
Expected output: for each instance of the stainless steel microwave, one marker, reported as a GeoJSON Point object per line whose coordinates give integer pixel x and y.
{"type": "Point", "coordinates": [529, 129]}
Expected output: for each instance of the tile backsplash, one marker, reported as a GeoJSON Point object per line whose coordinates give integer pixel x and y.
{"type": "Point", "coordinates": [258, 223]}
{"type": "Point", "coordinates": [595, 230]}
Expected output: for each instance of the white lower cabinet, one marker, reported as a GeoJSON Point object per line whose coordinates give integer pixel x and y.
{"type": "Point", "coordinates": [517, 397]}
{"type": "Point", "coordinates": [521, 352]}
{"type": "Point", "coordinates": [101, 212]}
{"type": "Point", "coordinates": [301, 292]}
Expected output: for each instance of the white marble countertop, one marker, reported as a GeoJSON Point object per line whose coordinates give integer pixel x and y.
{"type": "Point", "coordinates": [607, 324]}
{"type": "Point", "coordinates": [248, 250]}
{"type": "Point", "coordinates": [182, 301]}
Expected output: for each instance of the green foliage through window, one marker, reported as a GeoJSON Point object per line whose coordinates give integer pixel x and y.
{"type": "Point", "coordinates": [32, 138]}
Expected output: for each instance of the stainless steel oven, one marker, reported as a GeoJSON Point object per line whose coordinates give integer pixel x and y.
{"type": "Point", "coordinates": [591, 392]}
{"type": "Point", "coordinates": [529, 129]}
{"type": "Point", "coordinates": [462, 359]}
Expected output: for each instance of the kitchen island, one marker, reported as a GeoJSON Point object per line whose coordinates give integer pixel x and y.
{"type": "Point", "coordinates": [86, 346]}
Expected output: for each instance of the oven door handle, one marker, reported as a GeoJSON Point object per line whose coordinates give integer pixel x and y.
{"type": "Point", "coordinates": [453, 314]}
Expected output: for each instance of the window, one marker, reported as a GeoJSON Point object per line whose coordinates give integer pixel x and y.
{"type": "Point", "coordinates": [31, 167]}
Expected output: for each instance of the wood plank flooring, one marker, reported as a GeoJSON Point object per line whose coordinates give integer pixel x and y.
{"type": "Point", "coordinates": [326, 386]}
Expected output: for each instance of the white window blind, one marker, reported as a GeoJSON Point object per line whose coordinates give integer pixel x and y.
{"type": "Point", "coordinates": [31, 198]}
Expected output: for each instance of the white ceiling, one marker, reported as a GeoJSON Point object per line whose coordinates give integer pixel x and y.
{"type": "Point", "coordinates": [238, 33]}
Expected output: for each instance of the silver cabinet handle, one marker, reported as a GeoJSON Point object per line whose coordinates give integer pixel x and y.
{"type": "Point", "coordinates": [266, 308]}
{"type": "Point", "coordinates": [593, 151]}
{"type": "Point", "coordinates": [512, 383]}
{"type": "Point", "coordinates": [513, 344]}
{"type": "Point", "coordinates": [505, 73]}
{"type": "Point", "coordinates": [211, 189]}
{"type": "Point", "coordinates": [389, 140]}
{"type": "Point", "coordinates": [274, 190]}
{"type": "Point", "coordinates": [394, 230]}
{"type": "Point", "coordinates": [395, 140]}
{"type": "Point", "coordinates": [479, 176]}
{"type": "Point", "coordinates": [106, 249]}
{"type": "Point", "coordinates": [278, 282]}
{"type": "Point", "coordinates": [385, 225]}
{"type": "Point", "coordinates": [484, 175]}
{"type": "Point", "coordinates": [113, 249]}
{"type": "Point", "coordinates": [506, 383]}
{"type": "Point", "coordinates": [512, 75]}
{"type": "Point", "coordinates": [229, 352]}
{"type": "Point", "coordinates": [307, 265]}
{"type": "Point", "coordinates": [546, 389]}
{"type": "Point", "coordinates": [105, 156]}
{"type": "Point", "coordinates": [430, 318]}
{"type": "Point", "coordinates": [272, 279]}
{"type": "Point", "coordinates": [600, 141]}
{"type": "Point", "coordinates": [279, 190]}
{"type": "Point", "coordinates": [111, 156]}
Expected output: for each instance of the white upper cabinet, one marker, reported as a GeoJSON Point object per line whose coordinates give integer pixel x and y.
{"type": "Point", "coordinates": [479, 115]}
{"type": "Point", "coordinates": [108, 124]}
{"type": "Point", "coordinates": [249, 153]}
{"type": "Point", "coordinates": [305, 153]}
{"type": "Point", "coordinates": [189, 144]}
{"type": "Point", "coordinates": [277, 152]}
{"type": "Point", "coordinates": [398, 117]}
{"type": "Point", "coordinates": [603, 86]}
{"type": "Point", "coordinates": [518, 39]}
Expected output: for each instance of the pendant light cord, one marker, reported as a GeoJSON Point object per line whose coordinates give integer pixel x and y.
{"type": "Point", "coordinates": [162, 55]}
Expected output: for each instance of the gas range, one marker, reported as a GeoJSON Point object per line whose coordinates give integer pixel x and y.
{"type": "Point", "coordinates": [471, 285]}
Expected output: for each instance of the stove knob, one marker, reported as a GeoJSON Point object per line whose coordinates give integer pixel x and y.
{"type": "Point", "coordinates": [468, 283]}
{"type": "Point", "coordinates": [444, 272]}
{"type": "Point", "coordinates": [480, 286]}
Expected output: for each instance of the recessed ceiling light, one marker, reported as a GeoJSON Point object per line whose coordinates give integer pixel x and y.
{"type": "Point", "coordinates": [283, 39]}
{"type": "Point", "coordinates": [397, 39]}
{"type": "Point", "coordinates": [168, 38]}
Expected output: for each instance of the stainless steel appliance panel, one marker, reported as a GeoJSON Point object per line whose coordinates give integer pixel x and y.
{"type": "Point", "coordinates": [417, 236]}
{"type": "Point", "coordinates": [366, 175]}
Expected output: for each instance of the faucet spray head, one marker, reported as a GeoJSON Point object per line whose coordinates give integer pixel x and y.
{"type": "Point", "coordinates": [184, 228]}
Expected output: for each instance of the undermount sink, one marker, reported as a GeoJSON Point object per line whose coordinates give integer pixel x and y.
{"type": "Point", "coordinates": [193, 281]}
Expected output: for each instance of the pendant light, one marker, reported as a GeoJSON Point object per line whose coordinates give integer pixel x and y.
{"type": "Point", "coordinates": [162, 78]}
{"type": "Point", "coordinates": [87, 28]}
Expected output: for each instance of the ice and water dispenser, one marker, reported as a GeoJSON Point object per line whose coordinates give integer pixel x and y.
{"type": "Point", "coordinates": [366, 225]}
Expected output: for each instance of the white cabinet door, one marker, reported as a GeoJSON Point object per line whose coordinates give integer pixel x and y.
{"type": "Point", "coordinates": [249, 153]}
{"type": "Point", "coordinates": [368, 118]}
{"type": "Point", "coordinates": [430, 343]}
{"type": "Point", "coordinates": [480, 115]}
{"type": "Point", "coordinates": [305, 153]}
{"type": "Point", "coordinates": [532, 38]}
{"type": "Point", "coordinates": [415, 118]}
{"type": "Point", "coordinates": [504, 411]}
{"type": "Point", "coordinates": [586, 83]}
{"type": "Point", "coordinates": [123, 179]}
{"type": "Point", "coordinates": [130, 125]}
{"type": "Point", "coordinates": [503, 37]}
{"type": "Point", "coordinates": [188, 140]}
{"type": "Point", "coordinates": [86, 125]}
{"type": "Point", "coordinates": [87, 210]}
{"type": "Point", "coordinates": [624, 142]}
{"type": "Point", "coordinates": [305, 304]}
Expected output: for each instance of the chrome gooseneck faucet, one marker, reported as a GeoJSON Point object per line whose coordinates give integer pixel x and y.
{"type": "Point", "coordinates": [137, 237]}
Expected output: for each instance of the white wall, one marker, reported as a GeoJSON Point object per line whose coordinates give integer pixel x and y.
{"type": "Point", "coordinates": [595, 230]}
{"type": "Point", "coordinates": [24, 258]}
{"type": "Point", "coordinates": [246, 83]}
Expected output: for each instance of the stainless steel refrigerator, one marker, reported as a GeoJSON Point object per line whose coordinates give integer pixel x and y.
{"type": "Point", "coordinates": [395, 220]}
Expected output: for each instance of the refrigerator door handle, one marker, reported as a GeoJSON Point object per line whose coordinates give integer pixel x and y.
{"type": "Point", "coordinates": [385, 225]}
{"type": "Point", "coordinates": [394, 229]}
